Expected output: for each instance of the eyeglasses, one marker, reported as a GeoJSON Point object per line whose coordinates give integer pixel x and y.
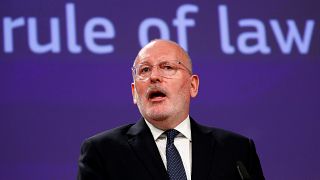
{"type": "Point", "coordinates": [165, 69]}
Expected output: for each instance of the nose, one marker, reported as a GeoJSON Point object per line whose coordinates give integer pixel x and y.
{"type": "Point", "coordinates": [155, 75]}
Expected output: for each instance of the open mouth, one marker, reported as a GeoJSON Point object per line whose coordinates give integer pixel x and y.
{"type": "Point", "coordinates": [156, 95]}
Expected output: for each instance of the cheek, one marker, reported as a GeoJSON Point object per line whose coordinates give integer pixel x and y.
{"type": "Point", "coordinates": [182, 88]}
{"type": "Point", "coordinates": [140, 90]}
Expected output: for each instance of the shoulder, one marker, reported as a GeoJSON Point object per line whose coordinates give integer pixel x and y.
{"type": "Point", "coordinates": [221, 136]}
{"type": "Point", "coordinates": [229, 148]}
{"type": "Point", "coordinates": [226, 143]}
{"type": "Point", "coordinates": [115, 135]}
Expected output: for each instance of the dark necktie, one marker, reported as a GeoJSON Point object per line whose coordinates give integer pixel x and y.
{"type": "Point", "coordinates": [175, 167]}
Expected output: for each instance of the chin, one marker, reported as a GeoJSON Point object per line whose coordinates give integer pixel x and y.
{"type": "Point", "coordinates": [157, 111]}
{"type": "Point", "coordinates": [158, 115]}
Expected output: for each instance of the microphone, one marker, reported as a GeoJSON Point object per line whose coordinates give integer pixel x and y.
{"type": "Point", "coordinates": [243, 171]}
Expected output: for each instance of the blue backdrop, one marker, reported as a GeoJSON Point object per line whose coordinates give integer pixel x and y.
{"type": "Point", "coordinates": [65, 75]}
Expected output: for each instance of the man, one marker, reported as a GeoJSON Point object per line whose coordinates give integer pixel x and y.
{"type": "Point", "coordinates": [166, 143]}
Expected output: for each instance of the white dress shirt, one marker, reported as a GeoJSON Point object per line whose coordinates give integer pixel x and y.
{"type": "Point", "coordinates": [182, 143]}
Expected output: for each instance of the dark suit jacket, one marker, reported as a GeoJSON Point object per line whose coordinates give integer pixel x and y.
{"type": "Point", "coordinates": [129, 152]}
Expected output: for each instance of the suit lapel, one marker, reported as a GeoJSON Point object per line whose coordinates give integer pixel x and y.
{"type": "Point", "coordinates": [202, 151]}
{"type": "Point", "coordinates": [142, 142]}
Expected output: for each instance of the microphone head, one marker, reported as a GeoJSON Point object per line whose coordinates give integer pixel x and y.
{"type": "Point", "coordinates": [243, 171]}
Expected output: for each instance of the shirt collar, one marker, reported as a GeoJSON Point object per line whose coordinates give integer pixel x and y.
{"type": "Point", "coordinates": [183, 128]}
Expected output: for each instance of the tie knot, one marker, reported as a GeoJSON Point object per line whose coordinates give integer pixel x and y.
{"type": "Point", "coordinates": [171, 134]}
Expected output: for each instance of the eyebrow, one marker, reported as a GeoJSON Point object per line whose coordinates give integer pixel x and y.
{"type": "Point", "coordinates": [159, 62]}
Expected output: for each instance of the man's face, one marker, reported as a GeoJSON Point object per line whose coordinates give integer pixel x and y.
{"type": "Point", "coordinates": [161, 98]}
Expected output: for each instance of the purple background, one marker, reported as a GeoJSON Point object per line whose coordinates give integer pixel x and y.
{"type": "Point", "coordinates": [49, 103]}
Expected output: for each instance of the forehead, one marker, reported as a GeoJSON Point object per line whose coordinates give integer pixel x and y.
{"type": "Point", "coordinates": [158, 51]}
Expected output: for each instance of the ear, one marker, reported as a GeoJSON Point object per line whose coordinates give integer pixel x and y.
{"type": "Point", "coordinates": [194, 85]}
{"type": "Point", "coordinates": [134, 93]}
